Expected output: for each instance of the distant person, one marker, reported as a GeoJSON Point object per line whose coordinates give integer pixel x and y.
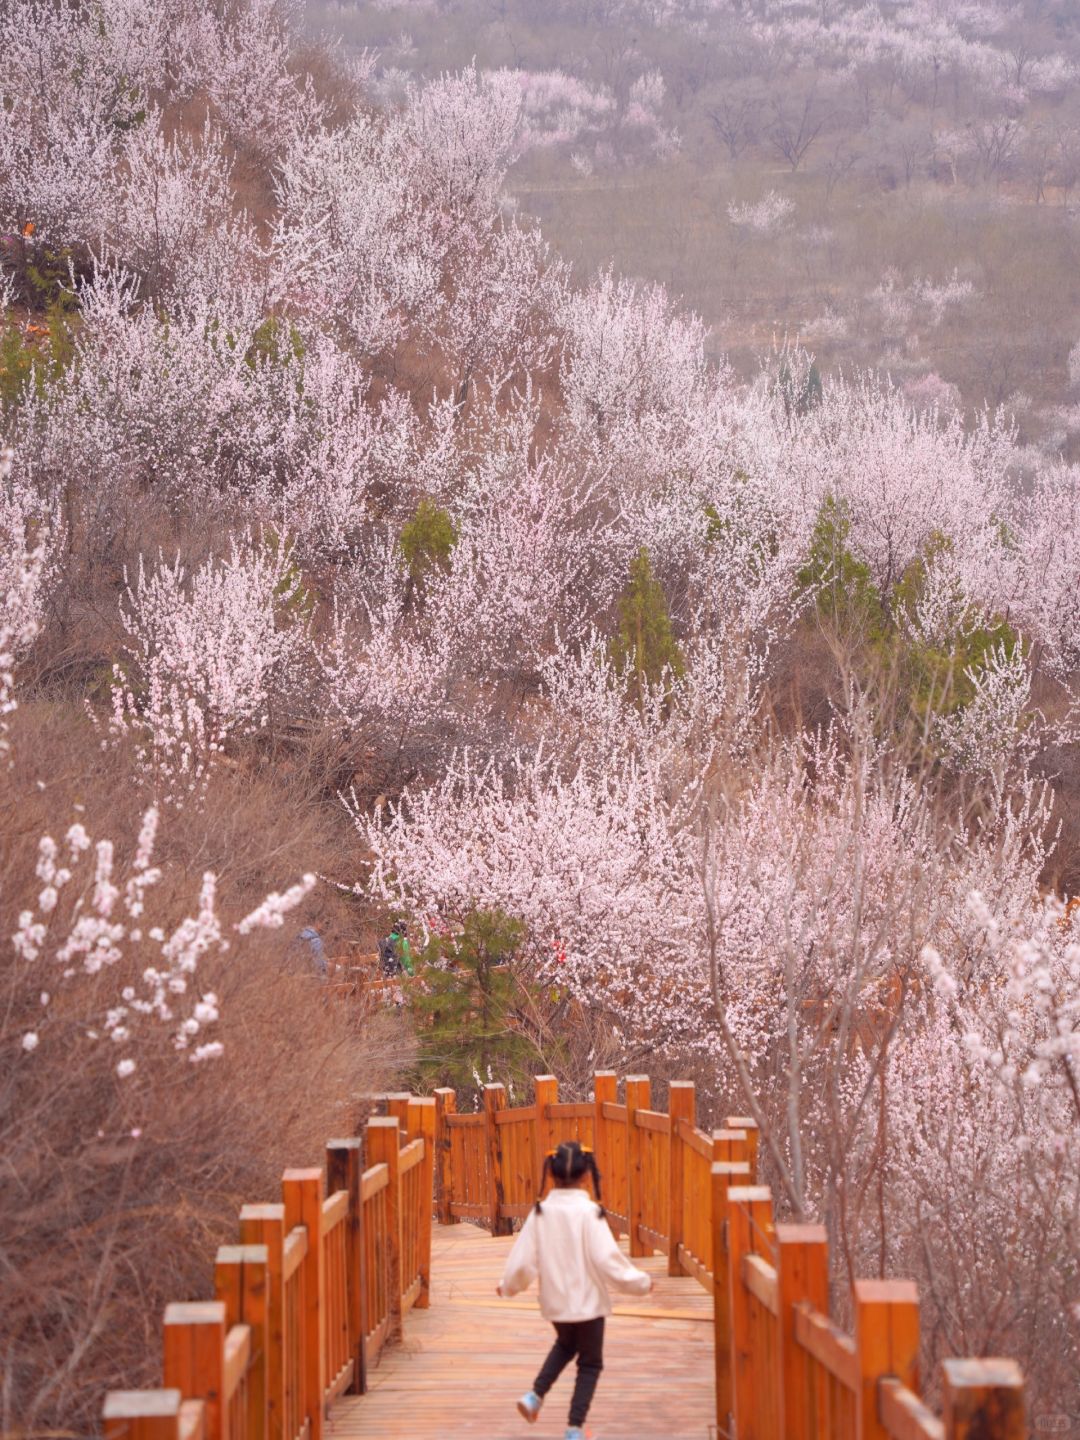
{"type": "Point", "coordinates": [567, 1242]}
{"type": "Point", "coordinates": [313, 940]}
{"type": "Point", "coordinates": [395, 955]}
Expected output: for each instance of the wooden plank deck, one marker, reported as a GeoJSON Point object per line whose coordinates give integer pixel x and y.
{"type": "Point", "coordinates": [465, 1361]}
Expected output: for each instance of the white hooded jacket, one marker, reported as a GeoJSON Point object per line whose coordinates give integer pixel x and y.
{"type": "Point", "coordinates": [569, 1245]}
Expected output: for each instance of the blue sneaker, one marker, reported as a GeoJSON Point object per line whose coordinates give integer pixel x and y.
{"type": "Point", "coordinates": [529, 1407]}
{"type": "Point", "coordinates": [575, 1433]}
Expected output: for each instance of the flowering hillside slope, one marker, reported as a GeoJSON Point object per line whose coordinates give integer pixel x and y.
{"type": "Point", "coordinates": [745, 701]}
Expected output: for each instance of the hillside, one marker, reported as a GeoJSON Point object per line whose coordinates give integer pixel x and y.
{"type": "Point", "coordinates": [360, 562]}
{"type": "Point", "coordinates": [895, 184]}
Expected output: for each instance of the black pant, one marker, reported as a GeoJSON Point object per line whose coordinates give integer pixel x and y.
{"type": "Point", "coordinates": [585, 1339]}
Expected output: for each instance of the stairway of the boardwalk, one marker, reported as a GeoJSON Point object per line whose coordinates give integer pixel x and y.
{"type": "Point", "coordinates": [321, 1286]}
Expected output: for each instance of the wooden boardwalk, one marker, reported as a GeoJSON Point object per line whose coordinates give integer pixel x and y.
{"type": "Point", "coordinates": [465, 1361]}
{"type": "Point", "coordinates": [309, 1297]}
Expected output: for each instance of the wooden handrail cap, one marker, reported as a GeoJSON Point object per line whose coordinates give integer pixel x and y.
{"type": "Point", "coordinates": [802, 1234]}
{"type": "Point", "coordinates": [885, 1292]}
{"type": "Point", "coordinates": [351, 1142]}
{"type": "Point", "coordinates": [301, 1173]}
{"type": "Point", "coordinates": [243, 1254]}
{"type": "Point", "coordinates": [195, 1312]}
{"type": "Point", "coordinates": [748, 1194]}
{"type": "Point", "coordinates": [726, 1134]}
{"type": "Point", "coordinates": [273, 1210]}
{"type": "Point", "coordinates": [732, 1167]}
{"type": "Point", "coordinates": [978, 1374]}
{"type": "Point", "coordinates": [142, 1405]}
{"type": "Point", "coordinates": [383, 1122]}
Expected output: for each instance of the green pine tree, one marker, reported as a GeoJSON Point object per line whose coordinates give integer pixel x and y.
{"type": "Point", "coordinates": [846, 594]}
{"type": "Point", "coordinates": [467, 1009]}
{"type": "Point", "coordinates": [427, 540]}
{"type": "Point", "coordinates": [645, 645]}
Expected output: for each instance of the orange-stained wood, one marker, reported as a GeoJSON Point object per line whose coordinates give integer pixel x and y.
{"type": "Point", "coordinates": [637, 1098]}
{"type": "Point", "coordinates": [984, 1398]}
{"type": "Point", "coordinates": [749, 1224]}
{"type": "Point", "coordinates": [904, 1415]}
{"type": "Point", "coordinates": [886, 1343]}
{"type": "Point", "coordinates": [545, 1092]}
{"type": "Point", "coordinates": [445, 1105]}
{"type": "Point", "coordinates": [803, 1277]}
{"type": "Point", "coordinates": [725, 1174]}
{"type": "Point", "coordinates": [345, 1172]}
{"type": "Point", "coordinates": [495, 1100]}
{"type": "Point", "coordinates": [422, 1122]}
{"type": "Point", "coordinates": [241, 1283]}
{"type": "Point", "coordinates": [383, 1149]}
{"type": "Point", "coordinates": [194, 1359]}
{"type": "Point", "coordinates": [142, 1415]}
{"type": "Point", "coordinates": [264, 1225]}
{"type": "Point", "coordinates": [303, 1192]}
{"type": "Point", "coordinates": [750, 1130]}
{"type": "Point", "coordinates": [681, 1108]}
{"type": "Point", "coordinates": [605, 1092]}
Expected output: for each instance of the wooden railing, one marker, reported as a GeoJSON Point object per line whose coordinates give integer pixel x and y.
{"type": "Point", "coordinates": [305, 1302]}
{"type": "Point", "coordinates": [319, 1283]}
{"type": "Point", "coordinates": [784, 1369]}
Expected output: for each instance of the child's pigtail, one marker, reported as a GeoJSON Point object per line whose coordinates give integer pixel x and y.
{"type": "Point", "coordinates": [594, 1171]}
{"type": "Point", "coordinates": [544, 1176]}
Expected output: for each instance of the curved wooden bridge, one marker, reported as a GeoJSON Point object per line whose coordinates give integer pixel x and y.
{"type": "Point", "coordinates": [351, 1314]}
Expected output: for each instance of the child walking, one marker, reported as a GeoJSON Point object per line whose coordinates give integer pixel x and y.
{"type": "Point", "coordinates": [568, 1244]}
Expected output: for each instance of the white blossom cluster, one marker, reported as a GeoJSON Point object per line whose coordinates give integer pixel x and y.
{"type": "Point", "coordinates": [27, 551]}
{"type": "Point", "coordinates": [92, 915]}
{"type": "Point", "coordinates": [207, 659]}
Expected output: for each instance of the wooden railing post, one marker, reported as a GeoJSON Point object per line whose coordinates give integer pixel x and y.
{"type": "Point", "coordinates": [265, 1225]}
{"type": "Point", "coordinates": [605, 1092]}
{"type": "Point", "coordinates": [384, 1148]}
{"type": "Point", "coordinates": [345, 1171]}
{"type": "Point", "coordinates": [397, 1105]}
{"type": "Point", "coordinates": [545, 1093]}
{"type": "Point", "coordinates": [445, 1104]}
{"type": "Point", "coordinates": [749, 1129]}
{"type": "Point", "coordinates": [984, 1400]}
{"type": "Point", "coordinates": [495, 1099]}
{"type": "Point", "coordinates": [749, 1225]}
{"type": "Point", "coordinates": [303, 1192]}
{"type": "Point", "coordinates": [638, 1094]}
{"type": "Point", "coordinates": [240, 1283]}
{"type": "Point", "coordinates": [802, 1268]}
{"type": "Point", "coordinates": [886, 1342]}
{"type": "Point", "coordinates": [725, 1174]}
{"type": "Point", "coordinates": [729, 1167]}
{"type": "Point", "coordinates": [194, 1360]}
{"type": "Point", "coordinates": [422, 1123]}
{"type": "Point", "coordinates": [142, 1414]}
{"type": "Point", "coordinates": [681, 1106]}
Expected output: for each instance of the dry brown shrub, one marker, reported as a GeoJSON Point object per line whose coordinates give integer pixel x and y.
{"type": "Point", "coordinates": [115, 1193]}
